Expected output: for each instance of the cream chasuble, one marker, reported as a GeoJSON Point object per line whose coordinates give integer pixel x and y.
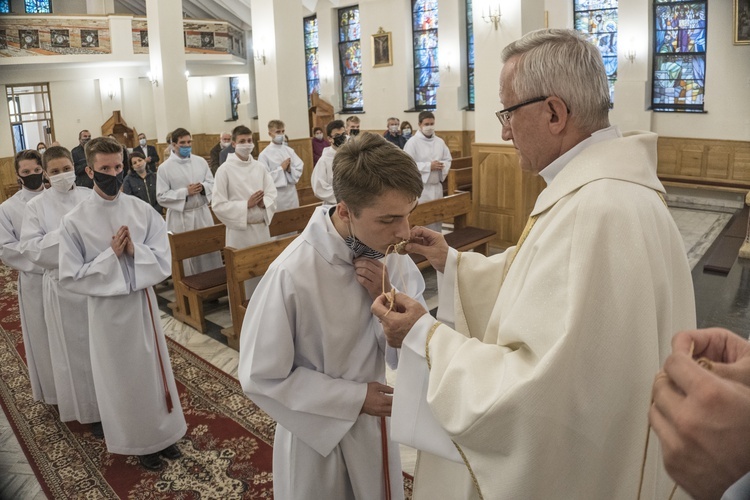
{"type": "Point", "coordinates": [545, 382]}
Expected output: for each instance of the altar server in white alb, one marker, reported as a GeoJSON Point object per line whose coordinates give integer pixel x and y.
{"type": "Point", "coordinates": [184, 184]}
{"type": "Point", "coordinates": [29, 171]}
{"type": "Point", "coordinates": [322, 175]}
{"type": "Point", "coordinates": [284, 166]}
{"type": "Point", "coordinates": [113, 249]}
{"type": "Point", "coordinates": [541, 366]}
{"type": "Point", "coordinates": [244, 197]}
{"type": "Point", "coordinates": [312, 354]}
{"type": "Point", "coordinates": [433, 159]}
{"type": "Point", "coordinates": [65, 312]}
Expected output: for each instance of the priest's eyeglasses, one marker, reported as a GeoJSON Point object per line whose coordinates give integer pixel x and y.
{"type": "Point", "coordinates": [504, 114]}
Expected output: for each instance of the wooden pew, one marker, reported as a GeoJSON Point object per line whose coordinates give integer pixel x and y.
{"type": "Point", "coordinates": [463, 237]}
{"type": "Point", "coordinates": [306, 196]}
{"type": "Point", "coordinates": [459, 176]}
{"type": "Point", "coordinates": [243, 265]}
{"type": "Point", "coordinates": [293, 220]}
{"type": "Point", "coordinates": [191, 291]}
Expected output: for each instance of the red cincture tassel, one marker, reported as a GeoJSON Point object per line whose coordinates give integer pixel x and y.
{"type": "Point", "coordinates": [158, 353]}
{"type": "Point", "coordinates": [386, 472]}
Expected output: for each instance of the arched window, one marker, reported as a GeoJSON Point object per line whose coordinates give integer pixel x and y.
{"type": "Point", "coordinates": [311, 56]}
{"type": "Point", "coordinates": [470, 50]}
{"type": "Point", "coordinates": [597, 19]}
{"type": "Point", "coordinates": [424, 14]}
{"type": "Point", "coordinates": [38, 6]}
{"type": "Point", "coordinates": [350, 57]}
{"type": "Point", "coordinates": [679, 55]}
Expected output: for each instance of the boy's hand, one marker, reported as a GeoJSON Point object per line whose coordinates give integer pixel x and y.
{"type": "Point", "coordinates": [120, 241]}
{"type": "Point", "coordinates": [286, 164]}
{"type": "Point", "coordinates": [378, 401]}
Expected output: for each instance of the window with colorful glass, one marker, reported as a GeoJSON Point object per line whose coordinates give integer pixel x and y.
{"type": "Point", "coordinates": [424, 15]}
{"type": "Point", "coordinates": [311, 56]}
{"type": "Point", "coordinates": [4, 6]}
{"type": "Point", "coordinates": [38, 6]}
{"type": "Point", "coordinates": [679, 55]}
{"type": "Point", "coordinates": [470, 50]}
{"type": "Point", "coordinates": [597, 20]}
{"type": "Point", "coordinates": [350, 58]}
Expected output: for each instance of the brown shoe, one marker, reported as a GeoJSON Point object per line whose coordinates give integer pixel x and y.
{"type": "Point", "coordinates": [171, 452]}
{"type": "Point", "coordinates": [151, 461]}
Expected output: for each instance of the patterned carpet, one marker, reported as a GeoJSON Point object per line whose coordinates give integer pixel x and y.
{"type": "Point", "coordinates": [227, 451]}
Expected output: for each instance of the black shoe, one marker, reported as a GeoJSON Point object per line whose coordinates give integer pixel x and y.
{"type": "Point", "coordinates": [151, 461]}
{"type": "Point", "coordinates": [97, 430]}
{"type": "Point", "coordinates": [171, 452]}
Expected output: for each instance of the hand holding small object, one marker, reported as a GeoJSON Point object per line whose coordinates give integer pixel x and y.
{"type": "Point", "coordinates": [398, 317]}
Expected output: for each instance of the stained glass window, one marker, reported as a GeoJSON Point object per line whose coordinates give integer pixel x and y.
{"type": "Point", "coordinates": [311, 56]}
{"type": "Point", "coordinates": [38, 6]}
{"type": "Point", "coordinates": [4, 6]}
{"type": "Point", "coordinates": [470, 50]}
{"type": "Point", "coordinates": [424, 15]}
{"type": "Point", "coordinates": [350, 57]}
{"type": "Point", "coordinates": [597, 19]}
{"type": "Point", "coordinates": [679, 55]}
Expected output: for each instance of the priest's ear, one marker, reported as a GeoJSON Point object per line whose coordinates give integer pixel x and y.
{"type": "Point", "coordinates": [90, 172]}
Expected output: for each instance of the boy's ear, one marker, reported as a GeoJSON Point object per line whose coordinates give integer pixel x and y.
{"type": "Point", "coordinates": [343, 212]}
{"type": "Point", "coordinates": [89, 172]}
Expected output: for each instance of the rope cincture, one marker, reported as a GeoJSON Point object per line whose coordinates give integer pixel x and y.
{"type": "Point", "coordinates": [167, 395]}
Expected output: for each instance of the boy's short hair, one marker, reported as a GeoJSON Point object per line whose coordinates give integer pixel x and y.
{"type": "Point", "coordinates": [274, 124]}
{"type": "Point", "coordinates": [352, 119]}
{"type": "Point", "coordinates": [333, 126]}
{"type": "Point", "coordinates": [136, 154]}
{"type": "Point", "coordinates": [27, 154]}
{"type": "Point", "coordinates": [101, 145]}
{"type": "Point", "coordinates": [240, 130]}
{"type": "Point", "coordinates": [55, 152]}
{"type": "Point", "coordinates": [425, 115]}
{"type": "Point", "coordinates": [367, 166]}
{"type": "Point", "coordinates": [179, 132]}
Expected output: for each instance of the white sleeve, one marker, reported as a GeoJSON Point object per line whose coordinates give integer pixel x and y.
{"type": "Point", "coordinates": [169, 196]}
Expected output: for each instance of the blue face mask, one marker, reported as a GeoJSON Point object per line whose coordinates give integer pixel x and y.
{"type": "Point", "coordinates": [185, 151]}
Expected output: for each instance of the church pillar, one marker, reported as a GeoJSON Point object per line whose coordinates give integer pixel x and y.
{"type": "Point", "coordinates": [167, 62]}
{"type": "Point", "coordinates": [279, 49]}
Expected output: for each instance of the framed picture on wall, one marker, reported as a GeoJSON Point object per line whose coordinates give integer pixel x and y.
{"type": "Point", "coordinates": [742, 22]}
{"type": "Point", "coordinates": [382, 51]}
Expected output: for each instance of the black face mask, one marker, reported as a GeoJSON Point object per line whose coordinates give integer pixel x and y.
{"type": "Point", "coordinates": [109, 184]}
{"type": "Point", "coordinates": [354, 131]}
{"type": "Point", "coordinates": [33, 181]}
{"type": "Point", "coordinates": [339, 140]}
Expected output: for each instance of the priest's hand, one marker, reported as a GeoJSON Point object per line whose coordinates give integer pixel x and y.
{"type": "Point", "coordinates": [120, 241]}
{"type": "Point", "coordinates": [286, 164]}
{"type": "Point", "coordinates": [370, 276]}
{"type": "Point", "coordinates": [401, 318]}
{"type": "Point", "coordinates": [431, 244]}
{"type": "Point", "coordinates": [255, 199]}
{"type": "Point", "coordinates": [701, 420]}
{"type": "Point", "coordinates": [378, 401]}
{"type": "Point", "coordinates": [729, 353]}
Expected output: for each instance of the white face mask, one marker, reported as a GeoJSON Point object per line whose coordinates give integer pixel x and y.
{"type": "Point", "coordinates": [428, 130]}
{"type": "Point", "coordinates": [278, 139]}
{"type": "Point", "coordinates": [63, 181]}
{"type": "Point", "coordinates": [225, 144]}
{"type": "Point", "coordinates": [393, 129]}
{"type": "Point", "coordinates": [406, 131]}
{"type": "Point", "coordinates": [142, 142]}
{"type": "Point", "coordinates": [319, 136]}
{"type": "Point", "coordinates": [244, 150]}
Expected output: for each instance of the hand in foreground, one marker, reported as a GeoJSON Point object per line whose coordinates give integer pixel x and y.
{"type": "Point", "coordinates": [397, 323]}
{"type": "Point", "coordinates": [120, 240]}
{"type": "Point", "coordinates": [429, 243]}
{"type": "Point", "coordinates": [436, 165]}
{"type": "Point", "coordinates": [370, 275]}
{"type": "Point", "coordinates": [255, 199]}
{"type": "Point", "coordinates": [701, 420]}
{"type": "Point", "coordinates": [129, 247]}
{"type": "Point", "coordinates": [728, 352]}
{"type": "Point", "coordinates": [195, 188]}
{"type": "Point", "coordinates": [378, 401]}
{"type": "Point", "coordinates": [286, 164]}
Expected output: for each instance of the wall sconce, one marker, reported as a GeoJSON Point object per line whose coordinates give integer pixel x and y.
{"type": "Point", "coordinates": [630, 54]}
{"type": "Point", "coordinates": [187, 74]}
{"type": "Point", "coordinates": [152, 78]}
{"type": "Point", "coordinates": [210, 92]}
{"type": "Point", "coordinates": [491, 14]}
{"type": "Point", "coordinates": [260, 55]}
{"type": "Point", "coordinates": [111, 94]}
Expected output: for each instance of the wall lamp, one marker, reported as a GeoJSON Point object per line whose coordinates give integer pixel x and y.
{"type": "Point", "coordinates": [152, 78]}
{"type": "Point", "coordinates": [187, 74]}
{"type": "Point", "coordinates": [491, 14]}
{"type": "Point", "coordinates": [630, 54]}
{"type": "Point", "coordinates": [260, 56]}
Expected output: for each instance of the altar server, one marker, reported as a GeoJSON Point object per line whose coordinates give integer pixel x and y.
{"type": "Point", "coordinates": [28, 164]}
{"type": "Point", "coordinates": [311, 353]}
{"type": "Point", "coordinates": [244, 197]}
{"type": "Point", "coordinates": [113, 249]}
{"type": "Point", "coordinates": [433, 160]}
{"type": "Point", "coordinates": [322, 175]}
{"type": "Point", "coordinates": [184, 184]}
{"type": "Point", "coordinates": [284, 166]}
{"type": "Point", "coordinates": [65, 312]}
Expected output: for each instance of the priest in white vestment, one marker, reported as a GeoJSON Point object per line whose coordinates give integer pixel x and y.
{"type": "Point", "coordinates": [284, 166]}
{"type": "Point", "coordinates": [113, 249]}
{"type": "Point", "coordinates": [65, 312]}
{"type": "Point", "coordinates": [311, 352]}
{"type": "Point", "coordinates": [321, 179]}
{"type": "Point", "coordinates": [184, 184]}
{"type": "Point", "coordinates": [28, 166]}
{"type": "Point", "coordinates": [540, 367]}
{"type": "Point", "coordinates": [433, 160]}
{"type": "Point", "coordinates": [244, 197]}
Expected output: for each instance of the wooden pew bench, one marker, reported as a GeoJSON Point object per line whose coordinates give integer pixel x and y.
{"type": "Point", "coordinates": [459, 176]}
{"type": "Point", "coordinates": [191, 291]}
{"type": "Point", "coordinates": [463, 237]}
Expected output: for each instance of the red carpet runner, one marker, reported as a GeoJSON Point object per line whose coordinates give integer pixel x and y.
{"type": "Point", "coordinates": [227, 451]}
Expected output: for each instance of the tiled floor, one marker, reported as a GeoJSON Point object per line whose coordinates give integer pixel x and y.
{"type": "Point", "coordinates": [699, 226]}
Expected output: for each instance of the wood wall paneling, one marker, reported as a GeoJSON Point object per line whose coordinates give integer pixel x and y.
{"type": "Point", "coordinates": [704, 162]}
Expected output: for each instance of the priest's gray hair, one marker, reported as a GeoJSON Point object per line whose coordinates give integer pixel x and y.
{"type": "Point", "coordinates": [559, 62]}
{"type": "Point", "coordinates": [367, 166]}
